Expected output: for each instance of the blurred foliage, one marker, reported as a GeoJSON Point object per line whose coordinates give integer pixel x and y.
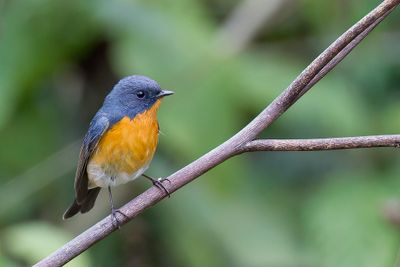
{"type": "Point", "coordinates": [22, 242]}
{"type": "Point", "coordinates": [58, 59]}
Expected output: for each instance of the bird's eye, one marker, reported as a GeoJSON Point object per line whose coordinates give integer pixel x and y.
{"type": "Point", "coordinates": [140, 94]}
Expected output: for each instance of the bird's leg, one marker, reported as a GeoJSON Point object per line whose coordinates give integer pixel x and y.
{"type": "Point", "coordinates": [114, 211]}
{"type": "Point", "coordinates": [158, 183]}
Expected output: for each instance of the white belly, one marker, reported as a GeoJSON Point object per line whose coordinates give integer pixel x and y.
{"type": "Point", "coordinates": [105, 177]}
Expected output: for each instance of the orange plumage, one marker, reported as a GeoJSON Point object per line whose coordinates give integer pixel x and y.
{"type": "Point", "coordinates": [120, 142]}
{"type": "Point", "coordinates": [125, 151]}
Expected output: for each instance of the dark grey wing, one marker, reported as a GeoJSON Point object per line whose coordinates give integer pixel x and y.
{"type": "Point", "coordinates": [97, 128]}
{"type": "Point", "coordinates": [86, 205]}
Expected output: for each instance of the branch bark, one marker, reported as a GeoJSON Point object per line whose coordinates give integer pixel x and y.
{"type": "Point", "coordinates": [236, 144]}
{"type": "Point", "coordinates": [321, 143]}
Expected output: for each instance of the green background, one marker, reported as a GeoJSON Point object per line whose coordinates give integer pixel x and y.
{"type": "Point", "coordinates": [58, 59]}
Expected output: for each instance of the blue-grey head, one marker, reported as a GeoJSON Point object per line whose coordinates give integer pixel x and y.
{"type": "Point", "coordinates": [133, 95]}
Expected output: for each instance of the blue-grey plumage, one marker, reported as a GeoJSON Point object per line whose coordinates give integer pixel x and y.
{"type": "Point", "coordinates": [124, 119]}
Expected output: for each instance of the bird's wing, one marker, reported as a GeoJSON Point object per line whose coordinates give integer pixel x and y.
{"type": "Point", "coordinates": [97, 128]}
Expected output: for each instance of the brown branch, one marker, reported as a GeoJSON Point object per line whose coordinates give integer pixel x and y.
{"type": "Point", "coordinates": [321, 143]}
{"type": "Point", "coordinates": [342, 54]}
{"type": "Point", "coordinates": [229, 148]}
{"type": "Point", "coordinates": [289, 96]}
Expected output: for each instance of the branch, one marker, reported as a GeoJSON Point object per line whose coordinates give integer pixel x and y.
{"type": "Point", "coordinates": [342, 54]}
{"type": "Point", "coordinates": [321, 143]}
{"type": "Point", "coordinates": [344, 44]}
{"type": "Point", "coordinates": [231, 147]}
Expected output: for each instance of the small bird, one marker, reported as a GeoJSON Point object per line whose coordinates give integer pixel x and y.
{"type": "Point", "coordinates": [120, 143]}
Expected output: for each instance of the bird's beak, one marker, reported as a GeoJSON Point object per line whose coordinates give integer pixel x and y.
{"type": "Point", "coordinates": [165, 93]}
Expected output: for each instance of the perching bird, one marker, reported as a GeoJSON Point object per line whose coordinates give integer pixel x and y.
{"type": "Point", "coordinates": [120, 142]}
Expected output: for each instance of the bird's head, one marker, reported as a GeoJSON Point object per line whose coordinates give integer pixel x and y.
{"type": "Point", "coordinates": [134, 94]}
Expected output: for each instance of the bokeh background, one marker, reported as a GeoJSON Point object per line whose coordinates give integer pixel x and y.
{"type": "Point", "coordinates": [226, 60]}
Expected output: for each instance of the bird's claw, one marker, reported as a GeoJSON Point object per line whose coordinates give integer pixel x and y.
{"type": "Point", "coordinates": [163, 179]}
{"type": "Point", "coordinates": [114, 218]}
{"type": "Point", "coordinates": [158, 183]}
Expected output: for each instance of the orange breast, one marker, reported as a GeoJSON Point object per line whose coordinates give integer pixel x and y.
{"type": "Point", "coordinates": [129, 145]}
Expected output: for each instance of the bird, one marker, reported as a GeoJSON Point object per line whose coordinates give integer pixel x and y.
{"type": "Point", "coordinates": [120, 143]}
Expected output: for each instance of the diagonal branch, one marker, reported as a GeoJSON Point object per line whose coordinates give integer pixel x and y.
{"type": "Point", "coordinates": [234, 145]}
{"type": "Point", "coordinates": [321, 143]}
{"type": "Point", "coordinates": [291, 94]}
{"type": "Point", "coordinates": [342, 54]}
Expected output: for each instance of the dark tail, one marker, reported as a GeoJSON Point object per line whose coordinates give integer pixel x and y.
{"type": "Point", "coordinates": [86, 205]}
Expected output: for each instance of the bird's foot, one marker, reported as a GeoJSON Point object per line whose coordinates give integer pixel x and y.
{"type": "Point", "coordinates": [158, 183]}
{"type": "Point", "coordinates": [114, 217]}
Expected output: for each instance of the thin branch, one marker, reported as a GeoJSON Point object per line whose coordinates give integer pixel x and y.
{"type": "Point", "coordinates": [225, 150]}
{"type": "Point", "coordinates": [342, 54]}
{"type": "Point", "coordinates": [321, 143]}
{"type": "Point", "coordinates": [291, 94]}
